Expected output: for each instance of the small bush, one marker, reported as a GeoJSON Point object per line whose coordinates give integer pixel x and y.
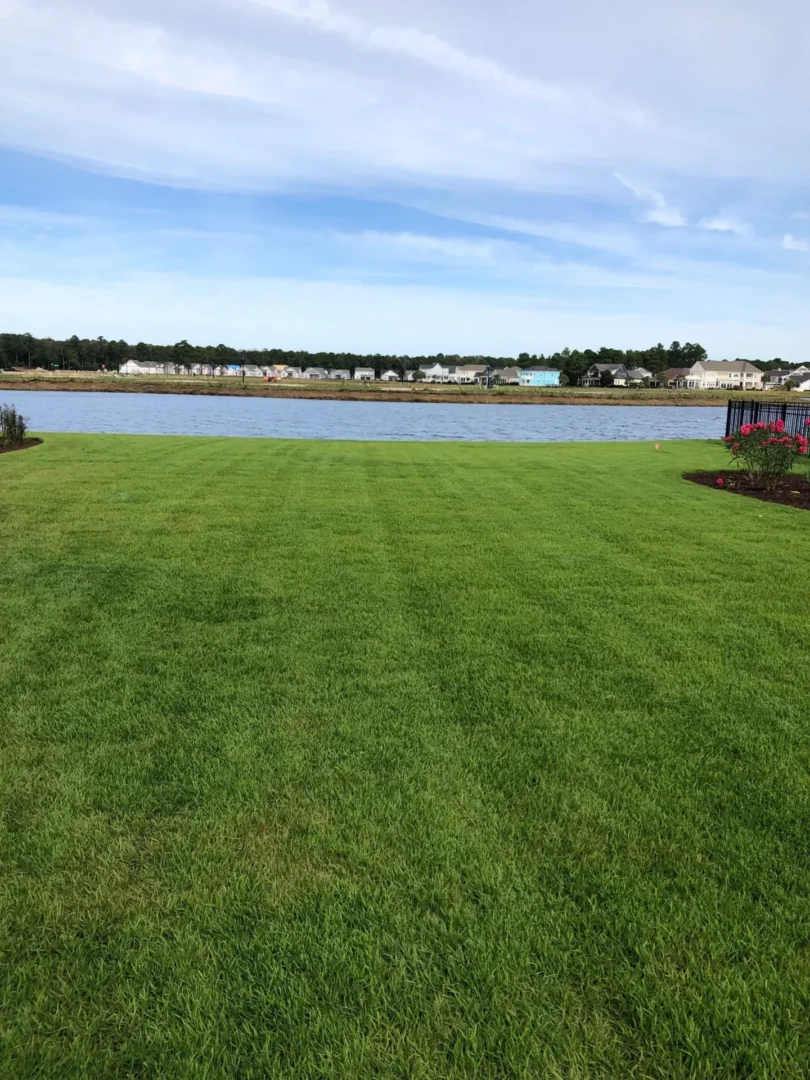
{"type": "Point", "coordinates": [765, 451]}
{"type": "Point", "coordinates": [13, 427]}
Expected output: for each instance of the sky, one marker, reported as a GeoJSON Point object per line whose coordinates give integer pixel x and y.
{"type": "Point", "coordinates": [457, 176]}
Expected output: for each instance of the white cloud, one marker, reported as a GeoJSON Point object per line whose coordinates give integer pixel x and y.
{"type": "Point", "coordinates": [662, 213]}
{"type": "Point", "coordinates": [424, 47]}
{"type": "Point", "coordinates": [666, 215]}
{"type": "Point", "coordinates": [722, 223]}
{"type": "Point", "coordinates": [793, 243]}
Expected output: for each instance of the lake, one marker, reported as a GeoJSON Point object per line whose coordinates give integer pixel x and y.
{"type": "Point", "coordinates": [170, 414]}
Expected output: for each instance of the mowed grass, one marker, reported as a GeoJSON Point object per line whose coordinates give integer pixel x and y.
{"type": "Point", "coordinates": [409, 760]}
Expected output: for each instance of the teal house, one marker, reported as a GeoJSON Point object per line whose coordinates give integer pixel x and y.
{"type": "Point", "coordinates": [541, 376]}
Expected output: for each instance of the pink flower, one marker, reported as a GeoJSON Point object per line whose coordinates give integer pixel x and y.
{"type": "Point", "coordinates": [807, 423]}
{"type": "Point", "coordinates": [779, 426]}
{"type": "Point", "coordinates": [720, 481]}
{"type": "Point", "coordinates": [745, 429]}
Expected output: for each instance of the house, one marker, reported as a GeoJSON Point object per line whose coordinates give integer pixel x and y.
{"type": "Point", "coordinates": [146, 367]}
{"type": "Point", "coordinates": [674, 376]}
{"type": "Point", "coordinates": [275, 371]}
{"type": "Point", "coordinates": [507, 376]}
{"type": "Point", "coordinates": [364, 374]}
{"type": "Point", "coordinates": [340, 373]}
{"type": "Point", "coordinates": [778, 377]}
{"type": "Point", "coordinates": [802, 382]}
{"type": "Point", "coordinates": [724, 375]}
{"type": "Point", "coordinates": [470, 373]}
{"type": "Point", "coordinates": [294, 373]}
{"type": "Point", "coordinates": [315, 373]}
{"type": "Point", "coordinates": [541, 376]}
{"type": "Point", "coordinates": [389, 376]}
{"type": "Point", "coordinates": [437, 373]}
{"type": "Point", "coordinates": [253, 371]}
{"type": "Point", "coordinates": [612, 374]}
{"type": "Point", "coordinates": [641, 376]}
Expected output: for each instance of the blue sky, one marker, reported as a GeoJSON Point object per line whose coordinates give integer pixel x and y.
{"type": "Point", "coordinates": [459, 177]}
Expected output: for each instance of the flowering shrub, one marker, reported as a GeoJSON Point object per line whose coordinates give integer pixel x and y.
{"type": "Point", "coordinates": [766, 451]}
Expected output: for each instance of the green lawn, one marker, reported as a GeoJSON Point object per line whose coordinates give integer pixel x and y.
{"type": "Point", "coordinates": [400, 760]}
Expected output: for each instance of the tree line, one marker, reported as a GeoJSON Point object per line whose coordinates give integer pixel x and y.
{"type": "Point", "coordinates": [24, 351]}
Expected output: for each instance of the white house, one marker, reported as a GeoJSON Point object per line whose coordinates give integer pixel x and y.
{"type": "Point", "coordinates": [724, 375]}
{"type": "Point", "coordinates": [389, 376]}
{"type": "Point", "coordinates": [316, 373]}
{"type": "Point", "coordinates": [340, 373]}
{"type": "Point", "coordinates": [438, 373]}
{"type": "Point", "coordinates": [773, 379]}
{"type": "Point", "coordinates": [364, 374]}
{"type": "Point", "coordinates": [508, 376]}
{"type": "Point", "coordinates": [146, 367]}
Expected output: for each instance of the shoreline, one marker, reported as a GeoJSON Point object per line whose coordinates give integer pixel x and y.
{"type": "Point", "coordinates": [117, 385]}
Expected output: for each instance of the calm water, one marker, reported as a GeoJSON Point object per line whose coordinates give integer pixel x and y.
{"type": "Point", "coordinates": [167, 414]}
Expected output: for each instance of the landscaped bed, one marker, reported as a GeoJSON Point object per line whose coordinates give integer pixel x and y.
{"type": "Point", "coordinates": [788, 490]}
{"type": "Point", "coordinates": [7, 448]}
{"type": "Point", "coordinates": [350, 760]}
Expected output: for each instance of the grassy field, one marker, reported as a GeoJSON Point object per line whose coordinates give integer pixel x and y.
{"type": "Point", "coordinates": [400, 760]}
{"type": "Point", "coordinates": [335, 389]}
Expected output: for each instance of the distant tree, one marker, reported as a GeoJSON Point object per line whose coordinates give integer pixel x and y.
{"type": "Point", "coordinates": [418, 375]}
{"type": "Point", "coordinates": [605, 379]}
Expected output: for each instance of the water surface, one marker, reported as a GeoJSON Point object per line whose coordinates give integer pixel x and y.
{"type": "Point", "coordinates": [297, 418]}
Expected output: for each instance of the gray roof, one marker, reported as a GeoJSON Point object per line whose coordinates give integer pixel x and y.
{"type": "Point", "coordinates": [729, 365]}
{"type": "Point", "coordinates": [599, 367]}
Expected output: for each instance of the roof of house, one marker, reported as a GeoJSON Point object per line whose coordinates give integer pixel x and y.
{"type": "Point", "coordinates": [676, 372]}
{"type": "Point", "coordinates": [779, 373]}
{"type": "Point", "coordinates": [727, 365]}
{"type": "Point", "coordinates": [527, 370]}
{"type": "Point", "coordinates": [507, 371]}
{"type": "Point", "coordinates": [640, 371]}
{"type": "Point", "coordinates": [472, 367]}
{"type": "Point", "coordinates": [599, 367]}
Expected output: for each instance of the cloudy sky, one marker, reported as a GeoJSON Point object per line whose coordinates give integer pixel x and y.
{"type": "Point", "coordinates": [456, 175]}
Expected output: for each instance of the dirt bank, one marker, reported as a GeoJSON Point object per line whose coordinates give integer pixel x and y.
{"type": "Point", "coordinates": [141, 385]}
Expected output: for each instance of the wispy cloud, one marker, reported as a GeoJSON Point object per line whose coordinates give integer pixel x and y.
{"type": "Point", "coordinates": [661, 213]}
{"type": "Point", "coordinates": [794, 243]}
{"type": "Point", "coordinates": [722, 223]}
{"type": "Point", "coordinates": [415, 44]}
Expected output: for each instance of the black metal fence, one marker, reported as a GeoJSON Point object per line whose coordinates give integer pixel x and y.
{"type": "Point", "coordinates": [795, 417]}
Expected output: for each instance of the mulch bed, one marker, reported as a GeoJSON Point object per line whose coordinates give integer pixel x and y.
{"type": "Point", "coordinates": [789, 491]}
{"type": "Point", "coordinates": [19, 446]}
